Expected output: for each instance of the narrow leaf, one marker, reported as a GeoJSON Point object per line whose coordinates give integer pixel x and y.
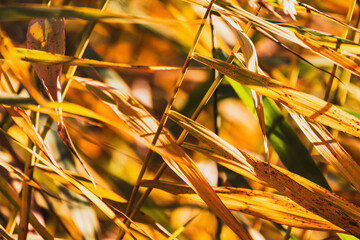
{"type": "Point", "coordinates": [270, 206]}
{"type": "Point", "coordinates": [310, 106]}
{"type": "Point", "coordinates": [42, 57]}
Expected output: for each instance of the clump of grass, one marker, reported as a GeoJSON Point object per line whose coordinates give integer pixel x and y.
{"type": "Point", "coordinates": [284, 158]}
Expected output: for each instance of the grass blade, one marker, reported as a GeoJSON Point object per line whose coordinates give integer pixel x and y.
{"type": "Point", "coordinates": [330, 149]}
{"type": "Point", "coordinates": [310, 106]}
{"type": "Point", "coordinates": [273, 207]}
{"type": "Point", "coordinates": [49, 58]}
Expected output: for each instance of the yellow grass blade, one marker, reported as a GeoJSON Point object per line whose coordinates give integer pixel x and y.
{"type": "Point", "coordinates": [144, 125]}
{"type": "Point", "coordinates": [302, 191]}
{"type": "Point", "coordinates": [50, 58]}
{"type": "Point", "coordinates": [100, 191]}
{"type": "Point", "coordinates": [330, 149]}
{"type": "Point", "coordinates": [310, 106]}
{"type": "Point", "coordinates": [270, 206]}
{"type": "Point", "coordinates": [23, 121]}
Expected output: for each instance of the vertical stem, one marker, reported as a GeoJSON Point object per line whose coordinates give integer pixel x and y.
{"type": "Point", "coordinates": [343, 35]}
{"type": "Point", "coordinates": [27, 189]}
{"type": "Point", "coordinates": [347, 75]}
{"type": "Point", "coordinates": [216, 119]}
{"type": "Point", "coordinates": [288, 233]}
{"type": "Point", "coordinates": [85, 38]}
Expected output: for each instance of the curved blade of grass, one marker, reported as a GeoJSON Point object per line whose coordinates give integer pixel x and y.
{"type": "Point", "coordinates": [306, 8]}
{"type": "Point", "coordinates": [143, 124]}
{"type": "Point", "coordinates": [270, 206]}
{"type": "Point", "coordinates": [330, 149]}
{"type": "Point", "coordinates": [251, 62]}
{"type": "Point", "coordinates": [50, 58]}
{"type": "Point", "coordinates": [214, 155]}
{"type": "Point", "coordinates": [302, 191]}
{"type": "Point", "coordinates": [48, 34]}
{"type": "Point", "coordinates": [310, 106]}
{"type": "Point", "coordinates": [23, 121]}
{"type": "Point", "coordinates": [292, 152]}
{"type": "Point", "coordinates": [64, 219]}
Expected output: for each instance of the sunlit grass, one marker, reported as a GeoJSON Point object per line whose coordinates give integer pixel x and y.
{"type": "Point", "coordinates": [252, 99]}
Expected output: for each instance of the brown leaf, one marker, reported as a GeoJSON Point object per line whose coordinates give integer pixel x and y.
{"type": "Point", "coordinates": [48, 34]}
{"type": "Point", "coordinates": [270, 206]}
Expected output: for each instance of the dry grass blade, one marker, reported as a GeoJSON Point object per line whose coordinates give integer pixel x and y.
{"type": "Point", "coordinates": [23, 121]}
{"type": "Point", "coordinates": [69, 12]}
{"type": "Point", "coordinates": [304, 192]}
{"type": "Point", "coordinates": [143, 124]}
{"type": "Point", "coordinates": [310, 106]}
{"type": "Point", "coordinates": [306, 8]}
{"type": "Point", "coordinates": [270, 206]}
{"type": "Point", "coordinates": [100, 191]}
{"type": "Point", "coordinates": [49, 58]}
{"type": "Point", "coordinates": [330, 149]}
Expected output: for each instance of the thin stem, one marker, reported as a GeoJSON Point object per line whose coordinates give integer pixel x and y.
{"type": "Point", "coordinates": [216, 117]}
{"type": "Point", "coordinates": [166, 111]}
{"type": "Point", "coordinates": [343, 35]}
{"type": "Point", "coordinates": [347, 75]}
{"type": "Point", "coordinates": [85, 38]}
{"type": "Point", "coordinates": [27, 189]}
{"type": "Point", "coordinates": [288, 233]}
